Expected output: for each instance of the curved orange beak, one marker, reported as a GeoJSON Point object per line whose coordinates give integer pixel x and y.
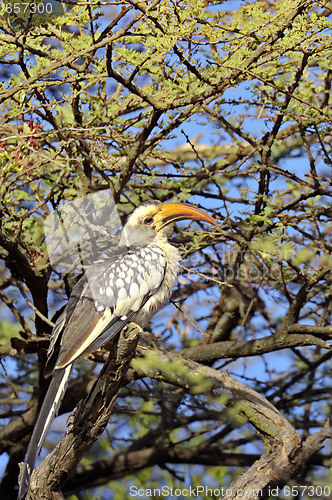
{"type": "Point", "coordinates": [173, 212]}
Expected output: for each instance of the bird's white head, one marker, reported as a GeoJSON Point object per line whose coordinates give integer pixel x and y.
{"type": "Point", "coordinates": [151, 220]}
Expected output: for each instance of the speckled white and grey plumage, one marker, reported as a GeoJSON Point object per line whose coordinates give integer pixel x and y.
{"type": "Point", "coordinates": [130, 284]}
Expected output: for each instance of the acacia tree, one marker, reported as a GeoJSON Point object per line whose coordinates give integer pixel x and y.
{"type": "Point", "coordinates": [221, 104]}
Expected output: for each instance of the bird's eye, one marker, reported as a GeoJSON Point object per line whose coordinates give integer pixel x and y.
{"type": "Point", "coordinates": [148, 220]}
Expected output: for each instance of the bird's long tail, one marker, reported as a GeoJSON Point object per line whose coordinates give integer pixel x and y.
{"type": "Point", "coordinates": [48, 412]}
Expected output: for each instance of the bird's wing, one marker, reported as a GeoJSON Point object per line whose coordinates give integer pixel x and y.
{"type": "Point", "coordinates": [101, 304]}
{"type": "Point", "coordinates": [104, 301]}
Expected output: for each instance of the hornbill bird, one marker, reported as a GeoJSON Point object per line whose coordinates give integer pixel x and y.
{"type": "Point", "coordinates": [130, 284]}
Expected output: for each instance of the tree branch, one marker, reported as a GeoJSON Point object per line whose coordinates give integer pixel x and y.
{"type": "Point", "coordinates": [285, 452]}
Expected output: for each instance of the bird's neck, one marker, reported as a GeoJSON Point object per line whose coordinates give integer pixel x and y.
{"type": "Point", "coordinates": [172, 253]}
